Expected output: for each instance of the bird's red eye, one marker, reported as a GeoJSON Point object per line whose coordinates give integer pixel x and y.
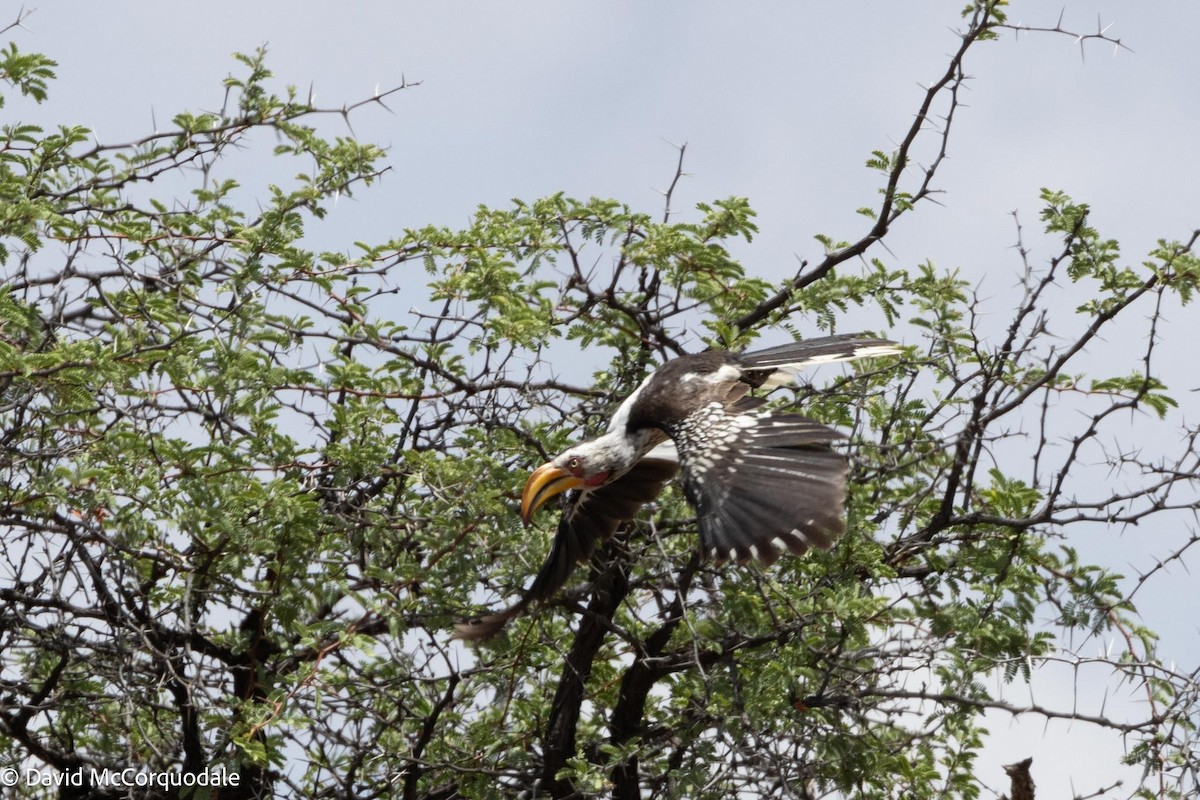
{"type": "Point", "coordinates": [575, 464]}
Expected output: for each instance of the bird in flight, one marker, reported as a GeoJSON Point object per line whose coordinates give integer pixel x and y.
{"type": "Point", "coordinates": [762, 482]}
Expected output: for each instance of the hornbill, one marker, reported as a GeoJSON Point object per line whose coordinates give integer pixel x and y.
{"type": "Point", "coordinates": [761, 482]}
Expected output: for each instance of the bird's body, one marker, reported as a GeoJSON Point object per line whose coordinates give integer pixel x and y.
{"type": "Point", "coordinates": [762, 483]}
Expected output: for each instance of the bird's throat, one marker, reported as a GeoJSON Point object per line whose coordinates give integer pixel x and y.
{"type": "Point", "coordinates": [598, 479]}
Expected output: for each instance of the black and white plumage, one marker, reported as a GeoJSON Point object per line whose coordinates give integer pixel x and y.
{"type": "Point", "coordinates": [762, 483]}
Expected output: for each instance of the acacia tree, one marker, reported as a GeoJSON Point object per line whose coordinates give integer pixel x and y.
{"type": "Point", "coordinates": [247, 493]}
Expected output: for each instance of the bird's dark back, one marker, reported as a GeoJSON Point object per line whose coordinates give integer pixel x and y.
{"type": "Point", "coordinates": [669, 396]}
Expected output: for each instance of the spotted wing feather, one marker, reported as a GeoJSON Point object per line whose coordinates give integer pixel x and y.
{"type": "Point", "coordinates": [761, 484]}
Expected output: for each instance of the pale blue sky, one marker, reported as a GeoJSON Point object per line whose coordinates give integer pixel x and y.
{"type": "Point", "coordinates": [779, 102]}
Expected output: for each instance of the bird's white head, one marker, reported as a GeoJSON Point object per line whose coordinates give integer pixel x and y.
{"type": "Point", "coordinates": [585, 466]}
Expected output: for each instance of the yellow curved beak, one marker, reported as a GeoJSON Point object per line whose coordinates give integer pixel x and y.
{"type": "Point", "coordinates": [545, 482]}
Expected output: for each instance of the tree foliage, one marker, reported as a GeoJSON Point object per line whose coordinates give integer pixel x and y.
{"type": "Point", "coordinates": [249, 486]}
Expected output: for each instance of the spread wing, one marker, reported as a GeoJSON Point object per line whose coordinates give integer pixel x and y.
{"type": "Point", "coordinates": [761, 484]}
{"type": "Point", "coordinates": [765, 483]}
{"type": "Point", "coordinates": [590, 518]}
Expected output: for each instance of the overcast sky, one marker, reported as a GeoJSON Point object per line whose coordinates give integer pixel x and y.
{"type": "Point", "coordinates": [778, 102]}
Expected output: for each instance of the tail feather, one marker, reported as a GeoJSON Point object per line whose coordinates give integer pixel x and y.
{"type": "Point", "coordinates": [779, 364]}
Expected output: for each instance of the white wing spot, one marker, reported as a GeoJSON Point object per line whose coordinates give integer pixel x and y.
{"type": "Point", "coordinates": [725, 374]}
